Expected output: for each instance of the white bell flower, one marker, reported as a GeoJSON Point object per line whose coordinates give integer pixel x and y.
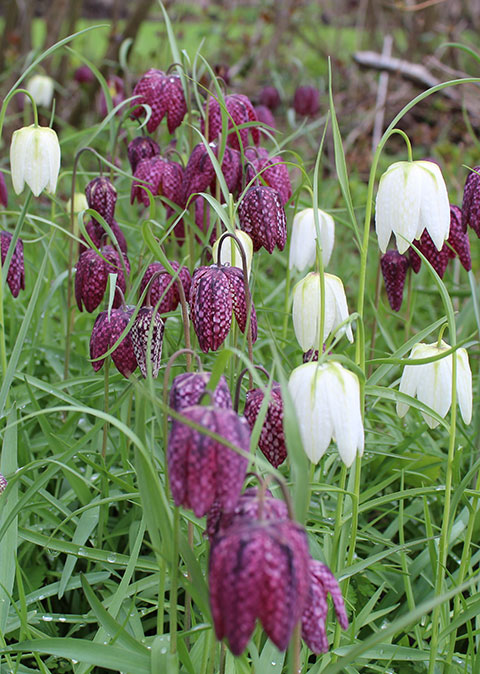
{"type": "Point", "coordinates": [431, 383]}
{"type": "Point", "coordinates": [411, 197]}
{"type": "Point", "coordinates": [230, 253]}
{"type": "Point", "coordinates": [41, 89]}
{"type": "Point", "coordinates": [304, 236]}
{"type": "Point", "coordinates": [327, 403]}
{"type": "Point", "coordinates": [306, 310]}
{"type": "Point", "coordinates": [35, 159]}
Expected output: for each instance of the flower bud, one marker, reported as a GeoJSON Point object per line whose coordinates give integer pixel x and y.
{"type": "Point", "coordinates": [41, 89]}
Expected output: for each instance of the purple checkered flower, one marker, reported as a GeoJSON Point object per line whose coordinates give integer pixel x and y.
{"type": "Point", "coordinates": [188, 388]}
{"type": "Point", "coordinates": [201, 469]}
{"type": "Point", "coordinates": [471, 201]}
{"type": "Point", "coordinates": [106, 331]}
{"type": "Point", "coordinates": [162, 177]}
{"type": "Point", "coordinates": [306, 101]}
{"type": "Point", "coordinates": [394, 269]}
{"type": "Point", "coordinates": [272, 171]}
{"type": "Point", "coordinates": [437, 258]}
{"type": "Point", "coordinates": [322, 583]}
{"type": "Point", "coordinates": [147, 339]}
{"type": "Point", "coordinates": [269, 97]}
{"type": "Point", "coordinates": [241, 111]}
{"type": "Point", "coordinates": [258, 569]}
{"type": "Point", "coordinates": [199, 173]}
{"type": "Point", "coordinates": [102, 196]}
{"type": "Point", "coordinates": [3, 191]}
{"type": "Point", "coordinates": [262, 217]}
{"type": "Point", "coordinates": [141, 147]}
{"type": "Point", "coordinates": [98, 234]}
{"type": "Point", "coordinates": [16, 270]}
{"type": "Point", "coordinates": [216, 291]}
{"type": "Point", "coordinates": [272, 438]}
{"type": "Point", "coordinates": [458, 238]}
{"type": "Point", "coordinates": [164, 94]}
{"type": "Point", "coordinates": [159, 285]}
{"type": "Point", "coordinates": [92, 276]}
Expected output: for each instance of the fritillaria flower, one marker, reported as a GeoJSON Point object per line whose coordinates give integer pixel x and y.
{"type": "Point", "coordinates": [272, 171]}
{"type": "Point", "coordinates": [230, 254]}
{"type": "Point", "coordinates": [304, 237]}
{"type": "Point", "coordinates": [92, 276]}
{"type": "Point", "coordinates": [458, 238]}
{"type": "Point", "coordinates": [216, 291]}
{"type": "Point", "coordinates": [202, 469]}
{"type": "Point", "coordinates": [3, 483]}
{"type": "Point", "coordinates": [164, 94]}
{"type": "Point", "coordinates": [240, 111]}
{"type": "Point", "coordinates": [141, 147]}
{"type": "Point", "coordinates": [83, 75]}
{"type": "Point", "coordinates": [147, 339]}
{"type": "Point", "coordinates": [431, 382]}
{"type": "Point", "coordinates": [327, 402]}
{"type": "Point", "coordinates": [322, 583]}
{"type": "Point", "coordinates": [269, 97]}
{"type": "Point", "coordinates": [35, 159]}
{"type": "Point", "coordinates": [199, 173]}
{"type": "Point", "coordinates": [306, 101]}
{"type": "Point", "coordinates": [306, 310]}
{"type": "Point", "coordinates": [262, 217]}
{"type": "Point", "coordinates": [188, 388]}
{"type": "Point", "coordinates": [412, 197]}
{"type": "Point", "coordinates": [159, 285]}
{"type": "Point", "coordinates": [106, 332]}
{"type": "Point", "coordinates": [162, 177]}
{"type": "Point", "coordinates": [3, 191]}
{"type": "Point", "coordinates": [41, 89]}
{"type": "Point", "coordinates": [471, 201]}
{"type": "Point", "coordinates": [272, 438]}
{"type": "Point", "coordinates": [16, 270]}
{"type": "Point", "coordinates": [265, 116]}
{"type": "Point", "coordinates": [258, 569]}
{"type": "Point", "coordinates": [102, 197]}
{"type": "Point", "coordinates": [97, 234]}
{"type": "Point", "coordinates": [394, 270]}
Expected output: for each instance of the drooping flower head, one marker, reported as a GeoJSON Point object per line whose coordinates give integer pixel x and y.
{"type": "Point", "coordinates": [163, 92]}
{"type": "Point", "coordinates": [141, 147]}
{"type": "Point", "coordinates": [394, 270]}
{"type": "Point", "coordinates": [98, 236]}
{"type": "Point", "coordinates": [35, 159]}
{"type": "Point", "coordinates": [327, 402]}
{"type": "Point", "coordinates": [240, 111]}
{"type": "Point", "coordinates": [3, 191]}
{"type": "Point", "coordinates": [188, 388]}
{"type": "Point", "coordinates": [216, 291]}
{"type": "Point", "coordinates": [159, 286]}
{"type": "Point", "coordinates": [458, 238]}
{"type": "Point", "coordinates": [262, 217]}
{"type": "Point", "coordinates": [269, 97]}
{"type": "Point", "coordinates": [92, 276]}
{"type": "Point", "coordinates": [272, 438]}
{"type": "Point", "coordinates": [304, 237]}
{"type": "Point", "coordinates": [306, 310]}
{"type": "Point", "coordinates": [106, 331]}
{"type": "Point", "coordinates": [147, 339]}
{"type": "Point", "coordinates": [272, 171]}
{"type": "Point", "coordinates": [3, 483]}
{"type": "Point", "coordinates": [431, 382]}
{"type": "Point", "coordinates": [306, 101]}
{"type": "Point", "coordinates": [41, 89]}
{"type": "Point", "coordinates": [265, 116]}
{"type": "Point", "coordinates": [102, 197]}
{"type": "Point", "coordinates": [161, 176]}
{"type": "Point", "coordinates": [471, 201]}
{"type": "Point", "coordinates": [412, 197]}
{"type": "Point", "coordinates": [83, 75]}
{"type": "Point", "coordinates": [16, 270]}
{"type": "Point", "coordinates": [199, 174]}
{"type": "Point", "coordinates": [201, 469]}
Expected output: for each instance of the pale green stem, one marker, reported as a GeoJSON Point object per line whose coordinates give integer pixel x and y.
{"type": "Point", "coordinates": [338, 519]}
{"type": "Point", "coordinates": [476, 308]}
{"type": "Point", "coordinates": [174, 582]}
{"type": "Point", "coordinates": [286, 309]}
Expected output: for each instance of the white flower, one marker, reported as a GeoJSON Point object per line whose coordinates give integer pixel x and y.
{"type": "Point", "coordinates": [80, 203]}
{"type": "Point", "coordinates": [431, 383]}
{"type": "Point", "coordinates": [35, 159]}
{"type": "Point", "coordinates": [41, 88]}
{"type": "Point", "coordinates": [411, 197]}
{"type": "Point", "coordinates": [304, 236]}
{"type": "Point", "coordinates": [327, 402]}
{"type": "Point", "coordinates": [230, 253]}
{"type": "Point", "coordinates": [306, 310]}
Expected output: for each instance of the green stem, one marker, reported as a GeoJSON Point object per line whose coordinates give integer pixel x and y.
{"type": "Point", "coordinates": [106, 371]}
{"type": "Point", "coordinates": [338, 519]}
{"type": "Point", "coordinates": [476, 308]}
{"type": "Point", "coordinates": [286, 310]}
{"type": "Point", "coordinates": [174, 582]}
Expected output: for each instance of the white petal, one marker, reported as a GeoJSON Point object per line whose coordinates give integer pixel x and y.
{"type": "Point", "coordinates": [304, 390]}
{"type": "Point", "coordinates": [408, 205]}
{"type": "Point", "coordinates": [18, 157]}
{"type": "Point", "coordinates": [340, 308]}
{"type": "Point", "coordinates": [464, 385]}
{"type": "Point", "coordinates": [302, 242]}
{"type": "Point", "coordinates": [52, 149]}
{"type": "Point", "coordinates": [306, 311]}
{"type": "Point", "coordinates": [343, 392]}
{"type": "Point", "coordinates": [408, 385]}
{"type": "Point", "coordinates": [435, 207]}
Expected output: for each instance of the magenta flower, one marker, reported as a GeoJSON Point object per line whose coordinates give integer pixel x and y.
{"type": "Point", "coordinates": [202, 470]}
{"type": "Point", "coordinates": [272, 438]}
{"type": "Point", "coordinates": [141, 147]}
{"type": "Point", "coordinates": [306, 101]}
{"type": "Point", "coordinates": [98, 235]}
{"type": "Point", "coordinates": [16, 270]}
{"type": "Point", "coordinates": [158, 287]}
{"type": "Point", "coordinates": [83, 75]}
{"type": "Point", "coordinates": [215, 292]}
{"type": "Point", "coordinates": [262, 217]}
{"type": "Point", "coordinates": [188, 388]}
{"type": "Point", "coordinates": [437, 258]}
{"type": "Point", "coordinates": [147, 339]}
{"type": "Point", "coordinates": [458, 238]}
{"type": "Point", "coordinates": [92, 276]}
{"type": "Point", "coordinates": [269, 97]}
{"type": "Point", "coordinates": [240, 111]}
{"type": "Point", "coordinates": [105, 334]}
{"type": "Point", "coordinates": [3, 191]}
{"type": "Point", "coordinates": [271, 170]}
{"type": "Point", "coordinates": [164, 94]}
{"type": "Point", "coordinates": [199, 173]}
{"type": "Point", "coordinates": [394, 269]}
{"type": "Point", "coordinates": [258, 569]}
{"type": "Point", "coordinates": [265, 116]}
{"type": "Point", "coordinates": [471, 201]}
{"type": "Point", "coordinates": [163, 178]}
{"type": "Point", "coordinates": [322, 582]}
{"type": "Point", "coordinates": [102, 197]}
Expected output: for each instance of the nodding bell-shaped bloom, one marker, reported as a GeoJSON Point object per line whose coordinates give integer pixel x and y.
{"type": "Point", "coordinates": [41, 89]}
{"type": "Point", "coordinates": [188, 388]}
{"type": "Point", "coordinates": [306, 101]}
{"type": "Point", "coordinates": [327, 403]}
{"type": "Point", "coordinates": [431, 383]}
{"type": "Point", "coordinates": [200, 174]}
{"type": "Point", "coordinates": [272, 171]}
{"type": "Point", "coordinates": [3, 191]}
{"type": "Point", "coordinates": [201, 469]}
{"type": "Point", "coordinates": [471, 201]}
{"type": "Point", "coordinates": [304, 236]}
{"type": "Point", "coordinates": [141, 147]}
{"type": "Point", "coordinates": [265, 115]}
{"type": "Point", "coordinates": [322, 583]}
{"type": "Point", "coordinates": [162, 177]}
{"type": "Point", "coordinates": [106, 331]}
{"type": "Point", "coordinates": [35, 159]}
{"type": "Point", "coordinates": [241, 111]}
{"type": "Point", "coordinates": [16, 270]}
{"type": "Point", "coordinates": [92, 276]}
{"type": "Point", "coordinates": [169, 299]}
{"type": "Point", "coordinates": [411, 197]}
{"type": "Point", "coordinates": [215, 292]}
{"type": "Point", "coordinates": [272, 438]}
{"type": "Point", "coordinates": [262, 217]}
{"type": "Point", "coordinates": [230, 255]}
{"type": "Point", "coordinates": [306, 310]}
{"type": "Point", "coordinates": [394, 270]}
{"type": "Point", "coordinates": [98, 234]}
{"type": "Point", "coordinates": [458, 238]}
{"type": "Point", "coordinates": [147, 339]}
{"type": "Point", "coordinates": [269, 97]}
{"type": "Point", "coordinates": [258, 569]}
{"type": "Point", "coordinates": [164, 94]}
{"type": "Point", "coordinates": [83, 75]}
{"type": "Point", "coordinates": [102, 197]}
